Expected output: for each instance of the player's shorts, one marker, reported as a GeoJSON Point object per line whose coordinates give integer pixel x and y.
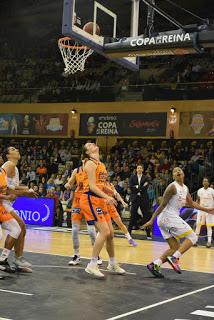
{"type": "Point", "coordinates": [76, 213]}
{"type": "Point", "coordinates": [174, 227]}
{"type": "Point", "coordinates": [94, 209]}
{"type": "Point", "coordinates": [8, 205]}
{"type": "Point", "coordinates": [111, 209]}
{"type": "Point", "coordinates": [4, 214]}
{"type": "Point", "coordinates": [204, 218]}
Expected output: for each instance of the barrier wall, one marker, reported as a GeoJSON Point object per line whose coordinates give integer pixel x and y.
{"type": "Point", "coordinates": [199, 106]}
{"type": "Point", "coordinates": [35, 211]}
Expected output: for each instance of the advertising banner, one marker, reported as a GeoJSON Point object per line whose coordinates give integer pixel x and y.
{"type": "Point", "coordinates": [196, 124]}
{"type": "Point", "coordinates": [126, 124]}
{"type": "Point", "coordinates": [34, 124]}
{"type": "Point", "coordinates": [39, 211]}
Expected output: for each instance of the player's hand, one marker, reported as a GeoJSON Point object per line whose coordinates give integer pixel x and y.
{"type": "Point", "coordinates": [148, 224]}
{"type": "Point", "coordinates": [124, 204]}
{"type": "Point", "coordinates": [11, 197]}
{"type": "Point", "coordinates": [210, 210]}
{"type": "Point", "coordinates": [67, 186]}
{"type": "Point", "coordinates": [111, 201]}
{"type": "Point", "coordinates": [31, 194]}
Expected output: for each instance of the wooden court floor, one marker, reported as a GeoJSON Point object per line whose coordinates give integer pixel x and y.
{"type": "Point", "coordinates": [199, 259]}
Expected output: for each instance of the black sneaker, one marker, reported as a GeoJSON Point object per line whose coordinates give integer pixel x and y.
{"type": "Point", "coordinates": [4, 266]}
{"type": "Point", "coordinates": [155, 270]}
{"type": "Point", "coordinates": [99, 261]}
{"type": "Point", "coordinates": [74, 261]}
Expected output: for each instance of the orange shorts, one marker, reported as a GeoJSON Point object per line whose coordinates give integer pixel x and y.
{"type": "Point", "coordinates": [94, 209]}
{"type": "Point", "coordinates": [76, 213]}
{"type": "Point", "coordinates": [111, 209]}
{"type": "Point", "coordinates": [4, 214]}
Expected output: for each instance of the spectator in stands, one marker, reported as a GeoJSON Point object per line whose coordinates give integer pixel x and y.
{"type": "Point", "coordinates": [58, 207]}
{"type": "Point", "coordinates": [58, 181]}
{"type": "Point", "coordinates": [41, 169]}
{"type": "Point", "coordinates": [50, 182]}
{"type": "Point", "coordinates": [52, 167]}
{"type": "Point", "coordinates": [31, 174]}
{"type": "Point", "coordinates": [41, 191]}
{"type": "Point", "coordinates": [31, 185]}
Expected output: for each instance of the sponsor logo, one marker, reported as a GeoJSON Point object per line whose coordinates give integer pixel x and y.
{"type": "Point", "coordinates": [75, 210]}
{"type": "Point", "coordinates": [35, 216]}
{"type": "Point", "coordinates": [99, 210]}
{"type": "Point", "coordinates": [159, 40]}
{"type": "Point", "coordinates": [107, 128]}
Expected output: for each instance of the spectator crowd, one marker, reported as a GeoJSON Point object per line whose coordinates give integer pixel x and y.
{"type": "Point", "coordinates": [46, 165]}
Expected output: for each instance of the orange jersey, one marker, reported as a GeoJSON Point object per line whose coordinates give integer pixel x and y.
{"type": "Point", "coordinates": [101, 177]}
{"type": "Point", "coordinates": [4, 215]}
{"type": "Point", "coordinates": [3, 180]}
{"type": "Point", "coordinates": [79, 180]}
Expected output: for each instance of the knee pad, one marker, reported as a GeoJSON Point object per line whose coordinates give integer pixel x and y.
{"type": "Point", "coordinates": [13, 228]}
{"type": "Point", "coordinates": [75, 234]}
{"type": "Point", "coordinates": [192, 237]}
{"type": "Point", "coordinates": [92, 233]}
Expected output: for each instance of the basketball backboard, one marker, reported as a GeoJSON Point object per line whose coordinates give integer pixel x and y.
{"type": "Point", "coordinates": [116, 19]}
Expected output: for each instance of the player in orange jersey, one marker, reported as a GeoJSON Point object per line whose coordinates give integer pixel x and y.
{"type": "Point", "coordinates": [111, 191]}
{"type": "Point", "coordinates": [93, 205]}
{"type": "Point", "coordinates": [76, 178]}
{"type": "Point", "coordinates": [8, 223]}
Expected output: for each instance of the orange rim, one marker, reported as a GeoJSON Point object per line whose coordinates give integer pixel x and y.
{"type": "Point", "coordinates": [67, 46]}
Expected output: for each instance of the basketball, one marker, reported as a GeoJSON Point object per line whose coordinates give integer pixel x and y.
{"type": "Point", "coordinates": [88, 27]}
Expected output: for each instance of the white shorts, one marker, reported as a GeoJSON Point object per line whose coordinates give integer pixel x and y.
{"type": "Point", "coordinates": [204, 218]}
{"type": "Point", "coordinates": [174, 227]}
{"type": "Point", "coordinates": [8, 205]}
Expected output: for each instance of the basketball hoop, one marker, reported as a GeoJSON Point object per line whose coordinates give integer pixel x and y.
{"type": "Point", "coordinates": [73, 54]}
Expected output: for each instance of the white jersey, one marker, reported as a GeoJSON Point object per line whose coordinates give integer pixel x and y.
{"type": "Point", "coordinates": [206, 197]}
{"type": "Point", "coordinates": [169, 220]}
{"type": "Point", "coordinates": [177, 201]}
{"type": "Point", "coordinates": [12, 183]}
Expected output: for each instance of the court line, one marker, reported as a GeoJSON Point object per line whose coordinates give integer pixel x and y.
{"type": "Point", "coordinates": [75, 267]}
{"type": "Point", "coordinates": [161, 303]}
{"type": "Point", "coordinates": [17, 292]}
{"type": "Point", "coordinates": [5, 319]}
{"type": "Point", "coordinates": [203, 313]}
{"type": "Point", "coordinates": [128, 263]}
{"type": "Point", "coordinates": [210, 307]}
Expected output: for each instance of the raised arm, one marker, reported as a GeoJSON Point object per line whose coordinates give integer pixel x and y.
{"type": "Point", "coordinates": [169, 192]}
{"type": "Point", "coordinates": [195, 205]}
{"type": "Point", "coordinates": [72, 180]}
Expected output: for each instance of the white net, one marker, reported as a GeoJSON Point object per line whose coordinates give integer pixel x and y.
{"type": "Point", "coordinates": [73, 54]}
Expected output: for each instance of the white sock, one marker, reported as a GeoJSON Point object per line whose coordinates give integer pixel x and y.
{"type": "Point", "coordinates": [177, 254]}
{"type": "Point", "coordinates": [76, 252]}
{"type": "Point", "coordinates": [158, 262]}
{"type": "Point", "coordinates": [5, 254]}
{"type": "Point", "coordinates": [93, 261]}
{"type": "Point", "coordinates": [112, 261]}
{"type": "Point", "coordinates": [209, 234]}
{"type": "Point", "coordinates": [128, 236]}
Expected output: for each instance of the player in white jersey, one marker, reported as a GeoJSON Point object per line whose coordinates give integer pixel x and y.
{"type": "Point", "coordinates": [172, 226]}
{"type": "Point", "coordinates": [13, 156]}
{"type": "Point", "coordinates": [205, 197]}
